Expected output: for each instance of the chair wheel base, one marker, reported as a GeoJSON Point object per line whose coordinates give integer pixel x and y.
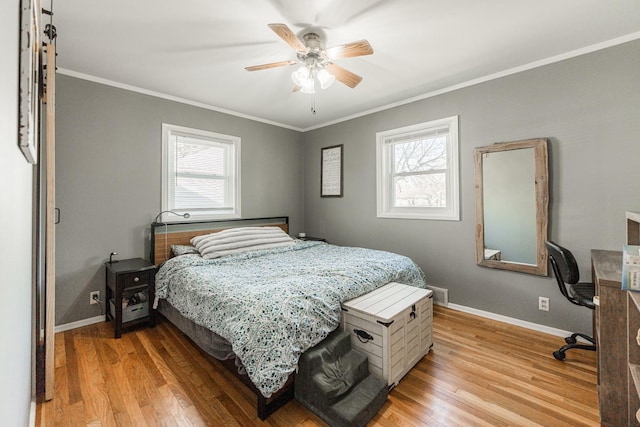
{"type": "Point", "coordinates": [560, 355]}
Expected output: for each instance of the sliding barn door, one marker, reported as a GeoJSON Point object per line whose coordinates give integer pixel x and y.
{"type": "Point", "coordinates": [50, 221]}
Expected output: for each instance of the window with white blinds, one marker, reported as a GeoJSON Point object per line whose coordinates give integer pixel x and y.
{"type": "Point", "coordinates": [201, 173]}
{"type": "Point", "coordinates": [417, 171]}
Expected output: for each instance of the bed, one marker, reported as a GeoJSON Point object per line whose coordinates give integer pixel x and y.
{"type": "Point", "coordinates": [259, 310]}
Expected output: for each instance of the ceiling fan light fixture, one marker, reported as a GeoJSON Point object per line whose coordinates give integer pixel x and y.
{"type": "Point", "coordinates": [325, 78]}
{"type": "Point", "coordinates": [308, 86]}
{"type": "Point", "coordinates": [303, 77]}
{"type": "Point", "coordinates": [300, 75]}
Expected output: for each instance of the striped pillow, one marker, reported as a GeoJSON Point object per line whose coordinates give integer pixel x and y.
{"type": "Point", "coordinates": [239, 240]}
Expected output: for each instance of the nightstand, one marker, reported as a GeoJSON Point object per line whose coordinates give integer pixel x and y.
{"type": "Point", "coordinates": [130, 290]}
{"type": "Point", "coordinates": [312, 239]}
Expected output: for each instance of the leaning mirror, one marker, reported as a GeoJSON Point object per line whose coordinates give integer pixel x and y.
{"type": "Point", "coordinates": [512, 197]}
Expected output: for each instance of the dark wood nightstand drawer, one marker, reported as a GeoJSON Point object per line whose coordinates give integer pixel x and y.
{"type": "Point", "coordinates": [134, 279]}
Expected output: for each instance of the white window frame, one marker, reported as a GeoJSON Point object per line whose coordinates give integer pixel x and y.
{"type": "Point", "coordinates": [384, 173]}
{"type": "Point", "coordinates": [168, 166]}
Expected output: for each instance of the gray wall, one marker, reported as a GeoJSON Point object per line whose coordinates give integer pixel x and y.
{"type": "Point", "coordinates": [108, 179]}
{"type": "Point", "coordinates": [587, 107]}
{"type": "Point", "coordinates": [15, 229]}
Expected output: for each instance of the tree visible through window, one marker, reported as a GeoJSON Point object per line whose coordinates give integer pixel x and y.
{"type": "Point", "coordinates": [417, 171]}
{"type": "Point", "coordinates": [420, 172]}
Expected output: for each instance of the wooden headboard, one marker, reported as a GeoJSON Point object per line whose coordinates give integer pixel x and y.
{"type": "Point", "coordinates": [163, 235]}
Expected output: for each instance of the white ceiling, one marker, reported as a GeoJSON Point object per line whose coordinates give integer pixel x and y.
{"type": "Point", "coordinates": [196, 50]}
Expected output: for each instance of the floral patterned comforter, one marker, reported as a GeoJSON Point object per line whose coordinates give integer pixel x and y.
{"type": "Point", "coordinates": [274, 304]}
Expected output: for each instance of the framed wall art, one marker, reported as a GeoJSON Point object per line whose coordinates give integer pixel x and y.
{"type": "Point", "coordinates": [331, 171]}
{"type": "Point", "coordinates": [30, 87]}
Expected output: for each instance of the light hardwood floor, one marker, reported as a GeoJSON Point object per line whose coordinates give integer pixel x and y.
{"type": "Point", "coordinates": [480, 372]}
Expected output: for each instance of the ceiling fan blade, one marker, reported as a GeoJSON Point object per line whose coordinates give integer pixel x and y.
{"type": "Point", "coordinates": [349, 50]}
{"type": "Point", "coordinates": [270, 65]}
{"type": "Point", "coordinates": [296, 88]}
{"type": "Point", "coordinates": [288, 36]}
{"type": "Point", "coordinates": [344, 76]}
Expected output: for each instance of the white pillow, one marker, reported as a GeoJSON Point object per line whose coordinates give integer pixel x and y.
{"type": "Point", "coordinates": [239, 240]}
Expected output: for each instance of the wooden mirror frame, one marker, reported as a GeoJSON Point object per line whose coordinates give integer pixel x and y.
{"type": "Point", "coordinates": [541, 175]}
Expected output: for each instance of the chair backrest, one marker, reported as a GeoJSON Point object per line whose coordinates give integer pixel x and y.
{"type": "Point", "coordinates": [565, 267]}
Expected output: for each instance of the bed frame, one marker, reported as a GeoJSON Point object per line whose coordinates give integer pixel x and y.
{"type": "Point", "coordinates": [163, 235]}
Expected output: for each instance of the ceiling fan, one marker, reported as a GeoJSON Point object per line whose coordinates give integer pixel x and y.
{"type": "Point", "coordinates": [317, 61]}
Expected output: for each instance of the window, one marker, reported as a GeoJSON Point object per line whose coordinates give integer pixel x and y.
{"type": "Point", "coordinates": [200, 173]}
{"type": "Point", "coordinates": [417, 171]}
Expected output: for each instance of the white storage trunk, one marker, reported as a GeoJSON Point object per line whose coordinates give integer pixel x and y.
{"type": "Point", "coordinates": [393, 326]}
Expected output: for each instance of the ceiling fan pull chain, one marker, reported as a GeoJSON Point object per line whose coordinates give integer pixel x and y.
{"type": "Point", "coordinates": [313, 105]}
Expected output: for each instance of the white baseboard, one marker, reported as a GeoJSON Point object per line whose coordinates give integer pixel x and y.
{"type": "Point", "coordinates": [512, 321]}
{"type": "Point", "coordinates": [79, 323]}
{"type": "Point", "coordinates": [32, 413]}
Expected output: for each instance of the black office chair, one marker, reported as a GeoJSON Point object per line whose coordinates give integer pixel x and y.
{"type": "Point", "coordinates": [565, 268]}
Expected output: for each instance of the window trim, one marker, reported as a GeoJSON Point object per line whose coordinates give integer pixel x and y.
{"type": "Point", "coordinates": [384, 176]}
{"type": "Point", "coordinates": [167, 159]}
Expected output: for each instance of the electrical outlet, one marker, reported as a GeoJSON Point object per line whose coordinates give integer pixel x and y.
{"type": "Point", "coordinates": [94, 297]}
{"type": "Point", "coordinates": [543, 303]}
